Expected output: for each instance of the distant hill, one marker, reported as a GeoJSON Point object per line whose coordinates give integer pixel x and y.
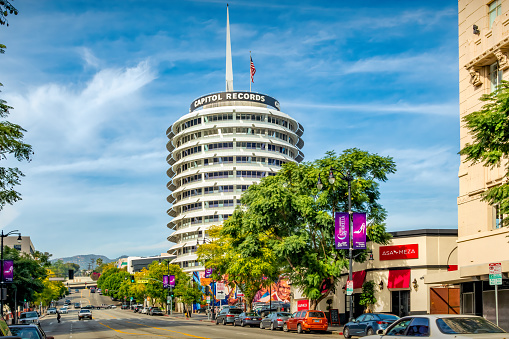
{"type": "Point", "coordinates": [86, 259]}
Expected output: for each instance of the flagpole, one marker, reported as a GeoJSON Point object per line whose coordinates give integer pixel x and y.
{"type": "Point", "coordinates": [249, 71]}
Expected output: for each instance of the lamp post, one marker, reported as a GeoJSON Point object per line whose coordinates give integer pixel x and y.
{"type": "Point", "coordinates": [3, 293]}
{"type": "Point", "coordinates": [348, 178]}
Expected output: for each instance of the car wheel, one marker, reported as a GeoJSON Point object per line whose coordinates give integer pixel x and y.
{"type": "Point", "coordinates": [242, 323]}
{"type": "Point", "coordinates": [346, 333]}
{"type": "Point", "coordinates": [272, 327]}
{"type": "Point", "coordinates": [299, 328]}
{"type": "Point", "coordinates": [370, 331]}
{"type": "Point", "coordinates": [224, 322]}
{"type": "Point", "coordinates": [285, 327]}
{"type": "Point", "coordinates": [261, 325]}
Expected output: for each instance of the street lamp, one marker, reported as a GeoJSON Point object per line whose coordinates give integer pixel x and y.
{"type": "Point", "coordinates": [348, 178]}
{"type": "Point", "coordinates": [2, 291]}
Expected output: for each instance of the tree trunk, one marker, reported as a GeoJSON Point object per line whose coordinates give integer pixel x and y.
{"type": "Point", "coordinates": [313, 304]}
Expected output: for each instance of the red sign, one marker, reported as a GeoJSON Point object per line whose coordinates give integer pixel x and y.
{"type": "Point", "coordinates": [399, 252]}
{"type": "Point", "coordinates": [302, 305]}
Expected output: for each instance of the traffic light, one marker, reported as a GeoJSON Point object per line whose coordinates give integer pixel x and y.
{"type": "Point", "coordinates": [71, 274]}
{"type": "Point", "coordinates": [132, 278]}
{"type": "Point", "coordinates": [172, 294]}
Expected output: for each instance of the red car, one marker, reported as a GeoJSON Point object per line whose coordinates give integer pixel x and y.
{"type": "Point", "coordinates": [305, 321]}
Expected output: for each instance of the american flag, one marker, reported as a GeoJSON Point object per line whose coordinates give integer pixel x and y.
{"type": "Point", "coordinates": [253, 69]}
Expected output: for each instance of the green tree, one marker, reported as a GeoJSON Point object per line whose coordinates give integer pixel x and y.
{"type": "Point", "coordinates": [489, 129]}
{"type": "Point", "coordinates": [296, 218]}
{"type": "Point", "coordinates": [6, 8]}
{"type": "Point", "coordinates": [367, 297]}
{"type": "Point", "coordinates": [98, 262]}
{"type": "Point", "coordinates": [30, 271]}
{"type": "Point", "coordinates": [250, 274]}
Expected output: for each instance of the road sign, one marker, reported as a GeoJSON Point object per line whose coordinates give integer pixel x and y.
{"type": "Point", "coordinates": [168, 299]}
{"type": "Point", "coordinates": [142, 281]}
{"type": "Point", "coordinates": [208, 299]}
{"type": "Point", "coordinates": [495, 273]}
{"type": "Point", "coordinates": [349, 287]}
{"type": "Point", "coordinates": [239, 292]}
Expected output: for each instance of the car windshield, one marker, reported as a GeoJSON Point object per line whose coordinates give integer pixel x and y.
{"type": "Point", "coordinates": [316, 315]}
{"type": "Point", "coordinates": [26, 332]}
{"type": "Point", "coordinates": [29, 315]}
{"type": "Point", "coordinates": [85, 311]}
{"type": "Point", "coordinates": [284, 314]}
{"type": "Point", "coordinates": [387, 316]}
{"type": "Point", "coordinates": [470, 325]}
{"type": "Point", "coordinates": [235, 311]}
{"type": "Point", "coordinates": [251, 314]}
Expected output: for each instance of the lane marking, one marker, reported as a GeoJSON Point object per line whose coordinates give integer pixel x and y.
{"type": "Point", "coordinates": [163, 329]}
{"type": "Point", "coordinates": [119, 331]}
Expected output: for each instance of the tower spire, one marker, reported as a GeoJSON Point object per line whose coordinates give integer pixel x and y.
{"type": "Point", "coordinates": [229, 68]}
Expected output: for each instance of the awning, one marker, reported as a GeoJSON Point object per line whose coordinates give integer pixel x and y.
{"type": "Point", "coordinates": [399, 279]}
{"type": "Point", "coordinates": [358, 279]}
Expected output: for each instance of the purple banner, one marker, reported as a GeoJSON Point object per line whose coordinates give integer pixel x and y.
{"type": "Point", "coordinates": [166, 281]}
{"type": "Point", "coordinates": [208, 273]}
{"type": "Point", "coordinates": [359, 231]}
{"type": "Point", "coordinates": [342, 231]}
{"type": "Point", "coordinates": [8, 270]}
{"type": "Point", "coordinates": [172, 281]}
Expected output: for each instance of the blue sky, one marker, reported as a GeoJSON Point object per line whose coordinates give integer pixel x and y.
{"type": "Point", "coordinates": [97, 83]}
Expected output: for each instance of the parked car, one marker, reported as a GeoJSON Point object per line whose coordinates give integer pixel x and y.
{"type": "Point", "coordinates": [227, 315]}
{"type": "Point", "coordinates": [85, 314]}
{"type": "Point", "coordinates": [144, 310]}
{"type": "Point", "coordinates": [275, 320]}
{"type": "Point", "coordinates": [442, 326]}
{"type": "Point", "coordinates": [124, 307]}
{"type": "Point", "coordinates": [34, 331]}
{"type": "Point", "coordinates": [156, 311]}
{"type": "Point", "coordinates": [64, 310]}
{"type": "Point", "coordinates": [29, 317]}
{"type": "Point", "coordinates": [247, 318]}
{"type": "Point", "coordinates": [368, 324]}
{"type": "Point", "coordinates": [305, 321]}
{"type": "Point", "coordinates": [138, 308]}
{"type": "Point", "coordinates": [52, 310]}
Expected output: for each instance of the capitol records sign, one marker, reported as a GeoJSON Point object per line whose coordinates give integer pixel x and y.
{"type": "Point", "coordinates": [234, 96]}
{"type": "Point", "coordinates": [399, 252]}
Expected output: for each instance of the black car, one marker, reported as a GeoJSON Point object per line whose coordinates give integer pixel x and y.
{"type": "Point", "coordinates": [77, 305]}
{"type": "Point", "coordinates": [227, 315]}
{"type": "Point", "coordinates": [275, 320]}
{"type": "Point", "coordinates": [247, 318]}
{"type": "Point", "coordinates": [368, 324]}
{"type": "Point", "coordinates": [88, 307]}
{"type": "Point", "coordinates": [29, 331]}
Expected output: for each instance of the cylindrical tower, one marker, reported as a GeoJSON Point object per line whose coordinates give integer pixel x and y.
{"type": "Point", "coordinates": [226, 142]}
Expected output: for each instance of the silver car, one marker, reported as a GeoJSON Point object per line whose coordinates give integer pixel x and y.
{"type": "Point", "coordinates": [453, 326]}
{"type": "Point", "coordinates": [275, 320]}
{"type": "Point", "coordinates": [31, 317]}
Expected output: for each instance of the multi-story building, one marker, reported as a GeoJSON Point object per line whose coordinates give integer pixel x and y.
{"type": "Point", "coordinates": [483, 63]}
{"type": "Point", "coordinates": [227, 141]}
{"type": "Point", "coordinates": [24, 246]}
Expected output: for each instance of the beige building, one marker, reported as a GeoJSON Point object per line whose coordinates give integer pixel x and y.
{"type": "Point", "coordinates": [25, 246]}
{"type": "Point", "coordinates": [483, 51]}
{"type": "Point", "coordinates": [398, 270]}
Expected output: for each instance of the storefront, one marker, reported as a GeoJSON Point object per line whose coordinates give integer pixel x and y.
{"type": "Point", "coordinates": [397, 271]}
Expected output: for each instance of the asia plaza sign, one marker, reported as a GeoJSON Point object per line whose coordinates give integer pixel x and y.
{"type": "Point", "coordinates": [399, 252]}
{"type": "Point", "coordinates": [234, 96]}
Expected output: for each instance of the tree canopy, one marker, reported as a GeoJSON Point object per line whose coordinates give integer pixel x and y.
{"type": "Point", "coordinates": [489, 129]}
{"type": "Point", "coordinates": [6, 8]}
{"type": "Point", "coordinates": [294, 219]}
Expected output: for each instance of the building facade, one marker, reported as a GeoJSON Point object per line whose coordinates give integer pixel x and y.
{"type": "Point", "coordinates": [398, 270]}
{"type": "Point", "coordinates": [227, 142]}
{"type": "Point", "coordinates": [483, 28]}
{"type": "Point", "coordinates": [25, 246]}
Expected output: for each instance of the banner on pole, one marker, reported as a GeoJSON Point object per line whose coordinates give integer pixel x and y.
{"type": "Point", "coordinates": [172, 281]}
{"type": "Point", "coordinates": [359, 231]}
{"type": "Point", "coordinates": [8, 268]}
{"type": "Point", "coordinates": [166, 281]}
{"type": "Point", "coordinates": [341, 222]}
{"type": "Point", "coordinates": [208, 273]}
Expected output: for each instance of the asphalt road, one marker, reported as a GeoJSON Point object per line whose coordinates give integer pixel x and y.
{"type": "Point", "coordinates": [117, 323]}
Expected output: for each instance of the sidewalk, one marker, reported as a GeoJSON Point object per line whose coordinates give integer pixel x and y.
{"type": "Point", "coordinates": [334, 329]}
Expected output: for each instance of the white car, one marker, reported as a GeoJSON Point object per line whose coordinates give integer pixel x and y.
{"type": "Point", "coordinates": [144, 310]}
{"type": "Point", "coordinates": [453, 326]}
{"type": "Point", "coordinates": [64, 310]}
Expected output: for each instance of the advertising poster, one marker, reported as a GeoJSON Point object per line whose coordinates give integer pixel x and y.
{"type": "Point", "coordinates": [359, 231]}
{"type": "Point", "coordinates": [172, 281]}
{"type": "Point", "coordinates": [208, 273]}
{"type": "Point", "coordinates": [8, 270]}
{"type": "Point", "coordinates": [341, 231]}
{"type": "Point", "coordinates": [166, 281]}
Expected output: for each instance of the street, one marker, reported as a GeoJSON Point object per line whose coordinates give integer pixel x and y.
{"type": "Point", "coordinates": [117, 323]}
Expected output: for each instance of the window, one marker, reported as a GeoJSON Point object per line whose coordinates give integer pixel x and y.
{"type": "Point", "coordinates": [495, 76]}
{"type": "Point", "coordinates": [494, 10]}
{"type": "Point", "coordinates": [497, 217]}
{"type": "Point", "coordinates": [400, 328]}
{"type": "Point", "coordinates": [17, 247]}
{"type": "Point", "coordinates": [419, 328]}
